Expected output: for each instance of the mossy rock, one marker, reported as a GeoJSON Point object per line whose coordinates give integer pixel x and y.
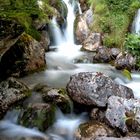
{"type": "Point", "coordinates": [38, 115]}
{"type": "Point", "coordinates": [55, 96]}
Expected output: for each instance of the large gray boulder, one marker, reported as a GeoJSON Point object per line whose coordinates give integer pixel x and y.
{"type": "Point", "coordinates": [11, 91]}
{"type": "Point", "coordinates": [123, 114]}
{"type": "Point", "coordinates": [95, 88]}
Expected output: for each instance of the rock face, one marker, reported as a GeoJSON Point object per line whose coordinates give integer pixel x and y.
{"type": "Point", "coordinates": [92, 130]}
{"type": "Point", "coordinates": [123, 114]}
{"type": "Point", "coordinates": [93, 42]}
{"type": "Point", "coordinates": [81, 30]}
{"type": "Point", "coordinates": [125, 61]}
{"type": "Point", "coordinates": [38, 115]}
{"type": "Point", "coordinates": [95, 88]}
{"type": "Point", "coordinates": [25, 56]}
{"type": "Point", "coordinates": [45, 40]}
{"type": "Point", "coordinates": [11, 91]}
{"type": "Point", "coordinates": [10, 30]}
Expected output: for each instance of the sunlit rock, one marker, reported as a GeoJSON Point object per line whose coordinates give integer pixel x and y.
{"type": "Point", "coordinates": [92, 42]}
{"type": "Point", "coordinates": [81, 30]}
{"type": "Point", "coordinates": [95, 88]}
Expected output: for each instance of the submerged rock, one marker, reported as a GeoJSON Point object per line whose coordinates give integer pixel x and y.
{"type": "Point", "coordinates": [92, 42]}
{"type": "Point", "coordinates": [55, 96]}
{"type": "Point", "coordinates": [25, 56]}
{"type": "Point", "coordinates": [92, 130]}
{"type": "Point", "coordinates": [95, 88]}
{"type": "Point", "coordinates": [38, 115]}
{"type": "Point", "coordinates": [11, 91]}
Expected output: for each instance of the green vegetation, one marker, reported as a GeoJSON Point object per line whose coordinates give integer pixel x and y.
{"type": "Point", "coordinates": [132, 45]}
{"type": "Point", "coordinates": [113, 18]}
{"type": "Point", "coordinates": [26, 12]}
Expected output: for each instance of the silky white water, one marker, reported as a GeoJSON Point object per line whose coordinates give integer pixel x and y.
{"type": "Point", "coordinates": [136, 23]}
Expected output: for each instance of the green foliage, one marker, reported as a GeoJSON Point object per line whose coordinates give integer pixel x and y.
{"type": "Point", "coordinates": [113, 18]}
{"type": "Point", "coordinates": [132, 45]}
{"type": "Point", "coordinates": [26, 12]}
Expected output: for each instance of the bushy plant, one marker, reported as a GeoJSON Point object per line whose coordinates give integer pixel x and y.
{"type": "Point", "coordinates": [132, 45]}
{"type": "Point", "coordinates": [113, 18]}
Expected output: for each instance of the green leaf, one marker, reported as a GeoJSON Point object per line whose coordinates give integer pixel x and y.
{"type": "Point", "coordinates": [127, 74]}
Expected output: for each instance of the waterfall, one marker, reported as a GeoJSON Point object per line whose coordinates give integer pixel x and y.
{"type": "Point", "coordinates": [56, 32]}
{"type": "Point", "coordinates": [136, 23]}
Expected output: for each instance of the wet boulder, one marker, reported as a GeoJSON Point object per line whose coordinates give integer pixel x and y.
{"type": "Point", "coordinates": [81, 30]}
{"type": "Point", "coordinates": [37, 115]}
{"type": "Point", "coordinates": [125, 61]}
{"type": "Point", "coordinates": [123, 114]}
{"type": "Point", "coordinates": [95, 88]}
{"type": "Point", "coordinates": [91, 130]}
{"type": "Point", "coordinates": [102, 55]}
{"type": "Point", "coordinates": [55, 96]}
{"type": "Point", "coordinates": [25, 56]}
{"type": "Point", "coordinates": [92, 42]}
{"type": "Point", "coordinates": [11, 92]}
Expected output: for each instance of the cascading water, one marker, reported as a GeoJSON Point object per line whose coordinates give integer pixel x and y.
{"type": "Point", "coordinates": [60, 67]}
{"type": "Point", "coordinates": [136, 23]}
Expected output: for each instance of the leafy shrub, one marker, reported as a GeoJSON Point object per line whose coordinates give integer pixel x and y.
{"type": "Point", "coordinates": [113, 18]}
{"type": "Point", "coordinates": [132, 45]}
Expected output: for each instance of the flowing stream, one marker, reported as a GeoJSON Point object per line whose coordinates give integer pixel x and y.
{"type": "Point", "coordinates": [60, 67]}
